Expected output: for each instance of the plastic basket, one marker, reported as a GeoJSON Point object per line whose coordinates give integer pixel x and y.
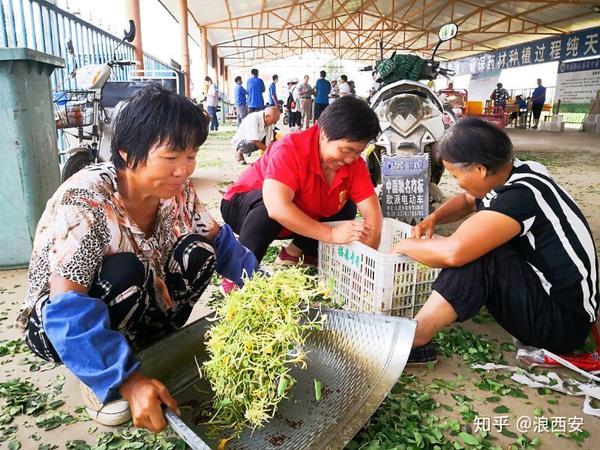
{"type": "Point", "coordinates": [74, 109]}
{"type": "Point", "coordinates": [368, 280]}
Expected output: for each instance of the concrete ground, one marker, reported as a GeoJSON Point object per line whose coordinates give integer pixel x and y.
{"type": "Point", "coordinates": [574, 160]}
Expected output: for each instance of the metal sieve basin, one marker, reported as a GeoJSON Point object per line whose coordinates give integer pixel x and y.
{"type": "Point", "coordinates": [357, 357]}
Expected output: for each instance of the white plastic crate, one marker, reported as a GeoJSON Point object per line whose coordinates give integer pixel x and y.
{"type": "Point", "coordinates": [369, 280]}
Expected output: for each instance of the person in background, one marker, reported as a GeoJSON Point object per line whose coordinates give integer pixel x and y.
{"type": "Point", "coordinates": [255, 87]}
{"type": "Point", "coordinates": [212, 102]}
{"type": "Point", "coordinates": [538, 98]}
{"type": "Point", "coordinates": [255, 133]}
{"type": "Point", "coordinates": [352, 87]}
{"type": "Point", "coordinates": [322, 91]}
{"type": "Point", "coordinates": [241, 103]}
{"type": "Point", "coordinates": [305, 179]}
{"type": "Point", "coordinates": [290, 104]}
{"type": "Point", "coordinates": [344, 88]}
{"type": "Point", "coordinates": [335, 91]}
{"type": "Point", "coordinates": [305, 91]}
{"type": "Point", "coordinates": [374, 85]}
{"type": "Point", "coordinates": [273, 100]}
{"type": "Point", "coordinates": [525, 250]}
{"type": "Point", "coordinates": [122, 253]}
{"type": "Point", "coordinates": [499, 96]}
{"type": "Point", "coordinates": [521, 109]}
{"type": "Point", "coordinates": [296, 110]}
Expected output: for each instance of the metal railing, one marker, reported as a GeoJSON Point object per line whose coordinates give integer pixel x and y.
{"type": "Point", "coordinates": [43, 26]}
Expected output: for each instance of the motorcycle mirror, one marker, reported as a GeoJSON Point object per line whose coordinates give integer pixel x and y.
{"type": "Point", "coordinates": [70, 48]}
{"type": "Point", "coordinates": [129, 34]}
{"type": "Point", "coordinates": [448, 31]}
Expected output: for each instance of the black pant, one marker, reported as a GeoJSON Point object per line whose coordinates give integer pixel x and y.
{"type": "Point", "coordinates": [504, 282]}
{"type": "Point", "coordinates": [537, 110]}
{"type": "Point", "coordinates": [127, 286]}
{"type": "Point", "coordinates": [255, 108]}
{"type": "Point", "coordinates": [247, 215]}
{"type": "Point", "coordinates": [319, 108]}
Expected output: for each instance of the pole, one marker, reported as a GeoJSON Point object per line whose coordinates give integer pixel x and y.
{"type": "Point", "coordinates": [183, 38]}
{"type": "Point", "coordinates": [132, 9]}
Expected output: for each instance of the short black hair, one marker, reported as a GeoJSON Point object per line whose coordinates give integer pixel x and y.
{"type": "Point", "coordinates": [254, 72]}
{"type": "Point", "coordinates": [344, 78]}
{"type": "Point", "coordinates": [275, 77]}
{"type": "Point", "coordinates": [471, 140]}
{"type": "Point", "coordinates": [208, 79]}
{"type": "Point", "coordinates": [238, 78]}
{"type": "Point", "coordinates": [323, 74]}
{"type": "Point", "coordinates": [349, 118]}
{"type": "Point", "coordinates": [154, 116]}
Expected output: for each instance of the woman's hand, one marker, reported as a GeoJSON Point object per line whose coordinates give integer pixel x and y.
{"type": "Point", "coordinates": [350, 231]}
{"type": "Point", "coordinates": [145, 396]}
{"type": "Point", "coordinates": [425, 228]}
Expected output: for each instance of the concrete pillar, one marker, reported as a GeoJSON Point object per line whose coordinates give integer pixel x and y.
{"type": "Point", "coordinates": [215, 63]}
{"type": "Point", "coordinates": [132, 10]}
{"type": "Point", "coordinates": [183, 39]}
{"type": "Point", "coordinates": [204, 48]}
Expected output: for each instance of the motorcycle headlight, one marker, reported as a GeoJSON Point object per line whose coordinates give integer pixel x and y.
{"type": "Point", "coordinates": [405, 106]}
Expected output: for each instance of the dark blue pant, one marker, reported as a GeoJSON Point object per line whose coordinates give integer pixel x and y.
{"type": "Point", "coordinates": [127, 286]}
{"type": "Point", "coordinates": [214, 120]}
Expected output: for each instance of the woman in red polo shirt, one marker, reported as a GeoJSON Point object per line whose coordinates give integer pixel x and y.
{"type": "Point", "coordinates": [305, 179]}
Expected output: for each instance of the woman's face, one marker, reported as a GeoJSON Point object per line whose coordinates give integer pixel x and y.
{"type": "Point", "coordinates": [473, 179]}
{"type": "Point", "coordinates": [335, 154]}
{"type": "Point", "coordinates": [165, 171]}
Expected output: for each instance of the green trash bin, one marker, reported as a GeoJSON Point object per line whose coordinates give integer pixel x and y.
{"type": "Point", "coordinates": [29, 172]}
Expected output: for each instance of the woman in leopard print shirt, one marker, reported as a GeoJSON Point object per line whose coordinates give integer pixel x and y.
{"type": "Point", "coordinates": [122, 253]}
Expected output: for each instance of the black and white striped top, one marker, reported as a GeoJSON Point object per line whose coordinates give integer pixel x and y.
{"type": "Point", "coordinates": [555, 237]}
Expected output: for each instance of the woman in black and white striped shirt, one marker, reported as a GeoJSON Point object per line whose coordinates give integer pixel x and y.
{"type": "Point", "coordinates": [527, 253]}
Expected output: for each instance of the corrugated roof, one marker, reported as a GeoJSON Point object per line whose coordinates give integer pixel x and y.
{"type": "Point", "coordinates": [248, 32]}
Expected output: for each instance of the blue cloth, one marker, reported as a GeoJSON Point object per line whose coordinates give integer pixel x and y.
{"type": "Point", "coordinates": [323, 88]}
{"type": "Point", "coordinates": [78, 327]}
{"type": "Point", "coordinates": [539, 95]}
{"type": "Point", "coordinates": [255, 87]}
{"type": "Point", "coordinates": [233, 259]}
{"type": "Point", "coordinates": [272, 94]}
{"type": "Point", "coordinates": [522, 104]}
{"type": "Point", "coordinates": [239, 94]}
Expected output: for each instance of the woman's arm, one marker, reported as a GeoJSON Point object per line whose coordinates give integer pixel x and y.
{"type": "Point", "coordinates": [279, 201]}
{"type": "Point", "coordinates": [476, 236]}
{"type": "Point", "coordinates": [370, 210]}
{"type": "Point", "coordinates": [75, 324]}
{"type": "Point", "coordinates": [454, 209]}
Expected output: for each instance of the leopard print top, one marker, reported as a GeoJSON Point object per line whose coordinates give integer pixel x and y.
{"type": "Point", "coordinates": [85, 221]}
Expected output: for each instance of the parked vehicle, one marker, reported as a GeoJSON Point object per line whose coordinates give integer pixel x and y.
{"type": "Point", "coordinates": [454, 101]}
{"type": "Point", "coordinates": [83, 110]}
{"type": "Point", "coordinates": [411, 115]}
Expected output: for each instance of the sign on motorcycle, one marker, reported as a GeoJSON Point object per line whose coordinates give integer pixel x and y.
{"type": "Point", "coordinates": [405, 187]}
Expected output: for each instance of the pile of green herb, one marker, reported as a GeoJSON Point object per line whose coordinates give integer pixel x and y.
{"type": "Point", "coordinates": [258, 337]}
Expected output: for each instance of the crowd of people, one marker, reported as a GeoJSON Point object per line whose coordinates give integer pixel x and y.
{"type": "Point", "coordinates": [520, 106]}
{"type": "Point", "coordinates": [302, 103]}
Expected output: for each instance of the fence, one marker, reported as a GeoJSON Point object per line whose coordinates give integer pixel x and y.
{"type": "Point", "coordinates": [42, 26]}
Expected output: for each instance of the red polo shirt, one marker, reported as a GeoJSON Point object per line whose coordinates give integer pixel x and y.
{"type": "Point", "coordinates": [294, 161]}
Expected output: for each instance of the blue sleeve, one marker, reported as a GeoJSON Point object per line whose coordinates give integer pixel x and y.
{"type": "Point", "coordinates": [78, 327]}
{"type": "Point", "coordinates": [233, 259]}
{"type": "Point", "coordinates": [263, 85]}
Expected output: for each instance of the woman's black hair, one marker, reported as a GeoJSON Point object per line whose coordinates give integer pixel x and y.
{"type": "Point", "coordinates": [156, 116]}
{"type": "Point", "coordinates": [349, 118]}
{"type": "Point", "coordinates": [238, 78]}
{"type": "Point", "coordinates": [473, 140]}
{"type": "Point", "coordinates": [207, 78]}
